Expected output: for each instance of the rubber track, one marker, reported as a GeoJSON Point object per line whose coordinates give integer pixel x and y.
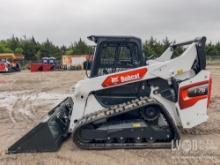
{"type": "Point", "coordinates": [117, 110]}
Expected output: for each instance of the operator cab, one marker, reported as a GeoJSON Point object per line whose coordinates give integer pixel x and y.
{"type": "Point", "coordinates": [114, 54]}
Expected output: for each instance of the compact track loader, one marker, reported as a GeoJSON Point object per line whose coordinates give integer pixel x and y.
{"type": "Point", "coordinates": [128, 101]}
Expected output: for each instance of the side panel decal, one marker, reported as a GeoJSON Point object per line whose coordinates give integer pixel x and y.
{"type": "Point", "coordinates": [191, 94]}
{"type": "Point", "coordinates": [125, 77]}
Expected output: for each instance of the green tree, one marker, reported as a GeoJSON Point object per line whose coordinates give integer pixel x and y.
{"type": "Point", "coordinates": [154, 48]}
{"type": "Point", "coordinates": [30, 48]}
{"type": "Point", "coordinates": [63, 49]}
{"type": "Point", "coordinates": [13, 43]}
{"type": "Point", "coordinates": [81, 47]}
{"type": "Point", "coordinates": [48, 49]}
{"type": "Point", "coordinates": [166, 43]}
{"type": "Point", "coordinates": [19, 51]}
{"type": "Point", "coordinates": [69, 52]}
{"type": "Point", "coordinates": [4, 47]}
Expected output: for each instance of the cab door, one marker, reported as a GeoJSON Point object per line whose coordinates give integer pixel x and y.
{"type": "Point", "coordinates": [114, 57]}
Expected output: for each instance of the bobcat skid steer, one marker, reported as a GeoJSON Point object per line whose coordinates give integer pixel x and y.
{"type": "Point", "coordinates": [128, 102]}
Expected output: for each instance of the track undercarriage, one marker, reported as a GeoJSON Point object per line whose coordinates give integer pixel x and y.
{"type": "Point", "coordinates": [140, 123]}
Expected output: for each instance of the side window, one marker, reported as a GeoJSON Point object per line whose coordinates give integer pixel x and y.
{"type": "Point", "coordinates": [108, 55]}
{"type": "Point", "coordinates": [115, 57]}
{"type": "Point", "coordinates": [128, 56]}
{"type": "Point", "coordinates": [124, 53]}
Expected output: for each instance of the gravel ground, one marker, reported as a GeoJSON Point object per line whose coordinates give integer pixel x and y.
{"type": "Point", "coordinates": [25, 97]}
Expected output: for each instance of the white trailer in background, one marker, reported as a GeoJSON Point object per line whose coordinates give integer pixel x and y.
{"type": "Point", "coordinates": [74, 62]}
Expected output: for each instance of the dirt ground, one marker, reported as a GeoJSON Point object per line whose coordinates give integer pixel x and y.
{"type": "Point", "coordinates": [25, 97]}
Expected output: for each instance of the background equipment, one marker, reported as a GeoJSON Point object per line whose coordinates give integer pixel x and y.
{"type": "Point", "coordinates": [10, 62]}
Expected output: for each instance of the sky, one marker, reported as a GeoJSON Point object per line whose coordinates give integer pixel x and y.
{"type": "Point", "coordinates": [65, 21]}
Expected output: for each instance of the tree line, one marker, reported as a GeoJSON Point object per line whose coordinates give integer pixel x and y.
{"type": "Point", "coordinates": [153, 47]}
{"type": "Point", "coordinates": [34, 50]}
